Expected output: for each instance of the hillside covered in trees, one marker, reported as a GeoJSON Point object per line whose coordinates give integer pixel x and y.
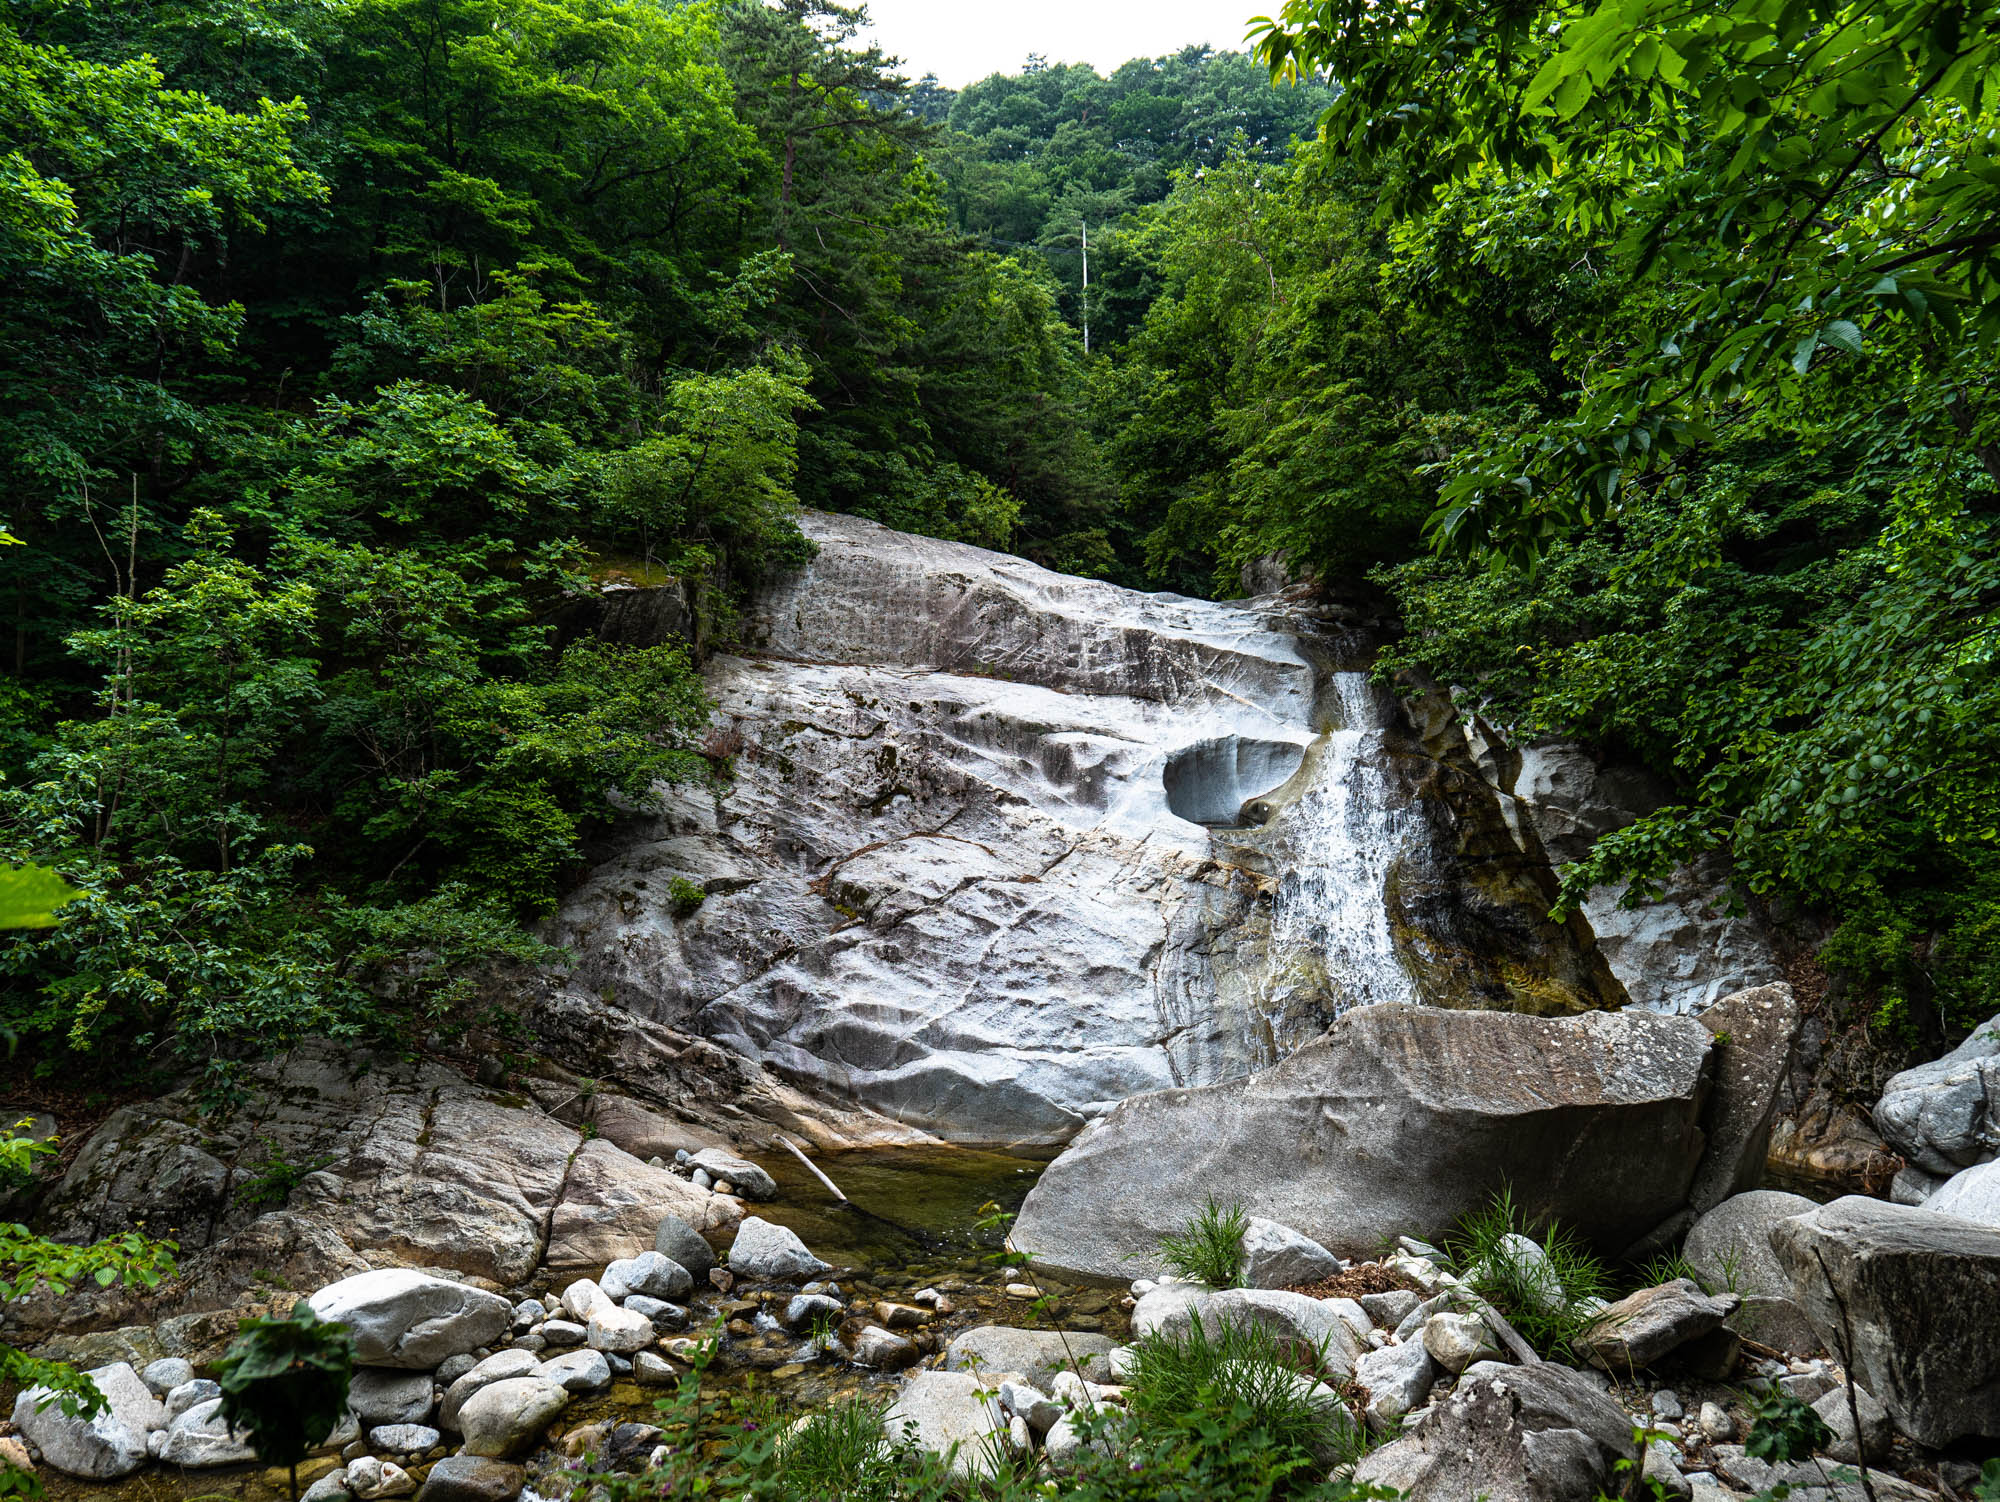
{"type": "Point", "coordinates": [1647, 370]}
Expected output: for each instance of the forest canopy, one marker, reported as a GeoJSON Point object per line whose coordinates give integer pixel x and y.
{"type": "Point", "coordinates": [1640, 360]}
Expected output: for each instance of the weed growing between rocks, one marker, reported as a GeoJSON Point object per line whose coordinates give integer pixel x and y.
{"type": "Point", "coordinates": [1550, 1288]}
{"type": "Point", "coordinates": [1210, 1249]}
{"type": "Point", "coordinates": [1237, 1367]}
{"type": "Point", "coordinates": [1211, 1421]}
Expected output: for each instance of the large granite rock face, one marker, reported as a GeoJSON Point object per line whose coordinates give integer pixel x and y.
{"type": "Point", "coordinates": [415, 1165]}
{"type": "Point", "coordinates": [1004, 847]}
{"type": "Point", "coordinates": [1680, 952]}
{"type": "Point", "coordinates": [1910, 1299]}
{"type": "Point", "coordinates": [1401, 1120]}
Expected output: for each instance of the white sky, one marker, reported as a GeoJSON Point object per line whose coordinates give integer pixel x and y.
{"type": "Point", "coordinates": [964, 40]}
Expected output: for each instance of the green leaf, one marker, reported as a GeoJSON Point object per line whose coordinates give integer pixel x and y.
{"type": "Point", "coordinates": [30, 895]}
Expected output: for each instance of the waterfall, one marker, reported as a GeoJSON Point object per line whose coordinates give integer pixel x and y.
{"type": "Point", "coordinates": [1330, 946]}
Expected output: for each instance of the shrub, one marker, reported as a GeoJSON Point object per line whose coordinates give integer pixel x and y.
{"type": "Point", "coordinates": [1210, 1249]}
{"type": "Point", "coordinates": [1235, 1367]}
{"type": "Point", "coordinates": [1550, 1298]}
{"type": "Point", "coordinates": [284, 1383]}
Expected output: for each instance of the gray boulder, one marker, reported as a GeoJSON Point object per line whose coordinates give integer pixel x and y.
{"type": "Point", "coordinates": [772, 1252]}
{"type": "Point", "coordinates": [109, 1445]}
{"type": "Point", "coordinates": [1276, 1256]}
{"type": "Point", "coordinates": [577, 1371]}
{"type": "Point", "coordinates": [1457, 1341]}
{"type": "Point", "coordinates": [403, 1439]}
{"type": "Point", "coordinates": [495, 1368]}
{"type": "Point", "coordinates": [1034, 1355]}
{"type": "Point", "coordinates": [749, 1181]}
{"type": "Point", "coordinates": [680, 1242]}
{"type": "Point", "coordinates": [1872, 1441]}
{"type": "Point", "coordinates": [665, 1316]}
{"type": "Point", "coordinates": [184, 1397]}
{"type": "Point", "coordinates": [1945, 1115]}
{"type": "Point", "coordinates": [1730, 1247]}
{"type": "Point", "coordinates": [651, 1273]}
{"type": "Point", "coordinates": [619, 1330]}
{"type": "Point", "coordinates": [1970, 1194]}
{"type": "Point", "coordinates": [169, 1372]}
{"type": "Point", "coordinates": [1539, 1433]}
{"type": "Point", "coordinates": [883, 1350]}
{"type": "Point", "coordinates": [472, 1478]}
{"type": "Point", "coordinates": [1396, 1380]}
{"type": "Point", "coordinates": [804, 1308]}
{"type": "Point", "coordinates": [955, 1414]}
{"type": "Point", "coordinates": [384, 1395]}
{"type": "Point", "coordinates": [1910, 1300]}
{"type": "Point", "coordinates": [1401, 1119]}
{"type": "Point", "coordinates": [1755, 1033]}
{"type": "Point", "coordinates": [507, 1417]}
{"type": "Point", "coordinates": [1653, 1323]}
{"type": "Point", "coordinates": [200, 1439]}
{"type": "Point", "coordinates": [411, 1320]}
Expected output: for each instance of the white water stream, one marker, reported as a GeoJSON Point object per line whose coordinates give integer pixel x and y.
{"type": "Point", "coordinates": [1330, 946]}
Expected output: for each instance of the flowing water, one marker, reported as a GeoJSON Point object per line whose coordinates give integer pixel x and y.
{"type": "Point", "coordinates": [1331, 947]}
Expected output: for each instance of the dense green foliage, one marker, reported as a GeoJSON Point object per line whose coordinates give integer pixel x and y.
{"type": "Point", "coordinates": [284, 1383]}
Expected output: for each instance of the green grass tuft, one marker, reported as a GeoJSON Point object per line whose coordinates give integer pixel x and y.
{"type": "Point", "coordinates": [1210, 1249]}
{"type": "Point", "coordinates": [837, 1452]}
{"type": "Point", "coordinates": [1549, 1299]}
{"type": "Point", "coordinates": [1236, 1367]}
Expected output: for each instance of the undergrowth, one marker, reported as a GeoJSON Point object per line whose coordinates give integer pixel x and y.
{"type": "Point", "coordinates": [1546, 1283]}
{"type": "Point", "coordinates": [1210, 1249]}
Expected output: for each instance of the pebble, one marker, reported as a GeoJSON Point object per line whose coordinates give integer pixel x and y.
{"type": "Point", "coordinates": [1022, 1291]}
{"type": "Point", "coordinates": [453, 1367]}
{"type": "Point", "coordinates": [1716, 1422]}
{"type": "Point", "coordinates": [561, 1332]}
{"type": "Point", "coordinates": [1667, 1404]}
{"type": "Point", "coordinates": [404, 1439]}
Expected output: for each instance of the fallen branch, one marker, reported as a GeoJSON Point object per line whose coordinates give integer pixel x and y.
{"type": "Point", "coordinates": [832, 1187]}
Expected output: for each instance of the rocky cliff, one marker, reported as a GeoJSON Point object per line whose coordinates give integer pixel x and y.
{"type": "Point", "coordinates": [1005, 847]}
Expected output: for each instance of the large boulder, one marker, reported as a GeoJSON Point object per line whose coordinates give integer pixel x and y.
{"type": "Point", "coordinates": [410, 1320]}
{"type": "Point", "coordinates": [1399, 1121]}
{"type": "Point", "coordinates": [1310, 1327]}
{"type": "Point", "coordinates": [1755, 1033]}
{"type": "Point", "coordinates": [612, 1205]}
{"type": "Point", "coordinates": [774, 1252]}
{"type": "Point", "coordinates": [1945, 1115]}
{"type": "Point", "coordinates": [100, 1448]}
{"type": "Point", "coordinates": [1910, 1301]}
{"type": "Point", "coordinates": [1539, 1433]}
{"type": "Point", "coordinates": [507, 1417]}
{"type": "Point", "coordinates": [1730, 1248]}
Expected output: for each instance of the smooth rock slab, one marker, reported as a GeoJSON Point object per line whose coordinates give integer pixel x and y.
{"type": "Point", "coordinates": [1756, 1031]}
{"type": "Point", "coordinates": [110, 1445]}
{"type": "Point", "coordinates": [507, 1417]}
{"type": "Point", "coordinates": [771, 1252]}
{"type": "Point", "coordinates": [1276, 1256]}
{"type": "Point", "coordinates": [411, 1320]}
{"type": "Point", "coordinates": [1512, 1434]}
{"type": "Point", "coordinates": [1401, 1120]}
{"type": "Point", "coordinates": [1971, 1194]}
{"type": "Point", "coordinates": [1921, 1295]}
{"type": "Point", "coordinates": [1035, 1355]}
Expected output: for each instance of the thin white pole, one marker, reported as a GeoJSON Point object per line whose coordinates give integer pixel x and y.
{"type": "Point", "coordinates": [1086, 286]}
